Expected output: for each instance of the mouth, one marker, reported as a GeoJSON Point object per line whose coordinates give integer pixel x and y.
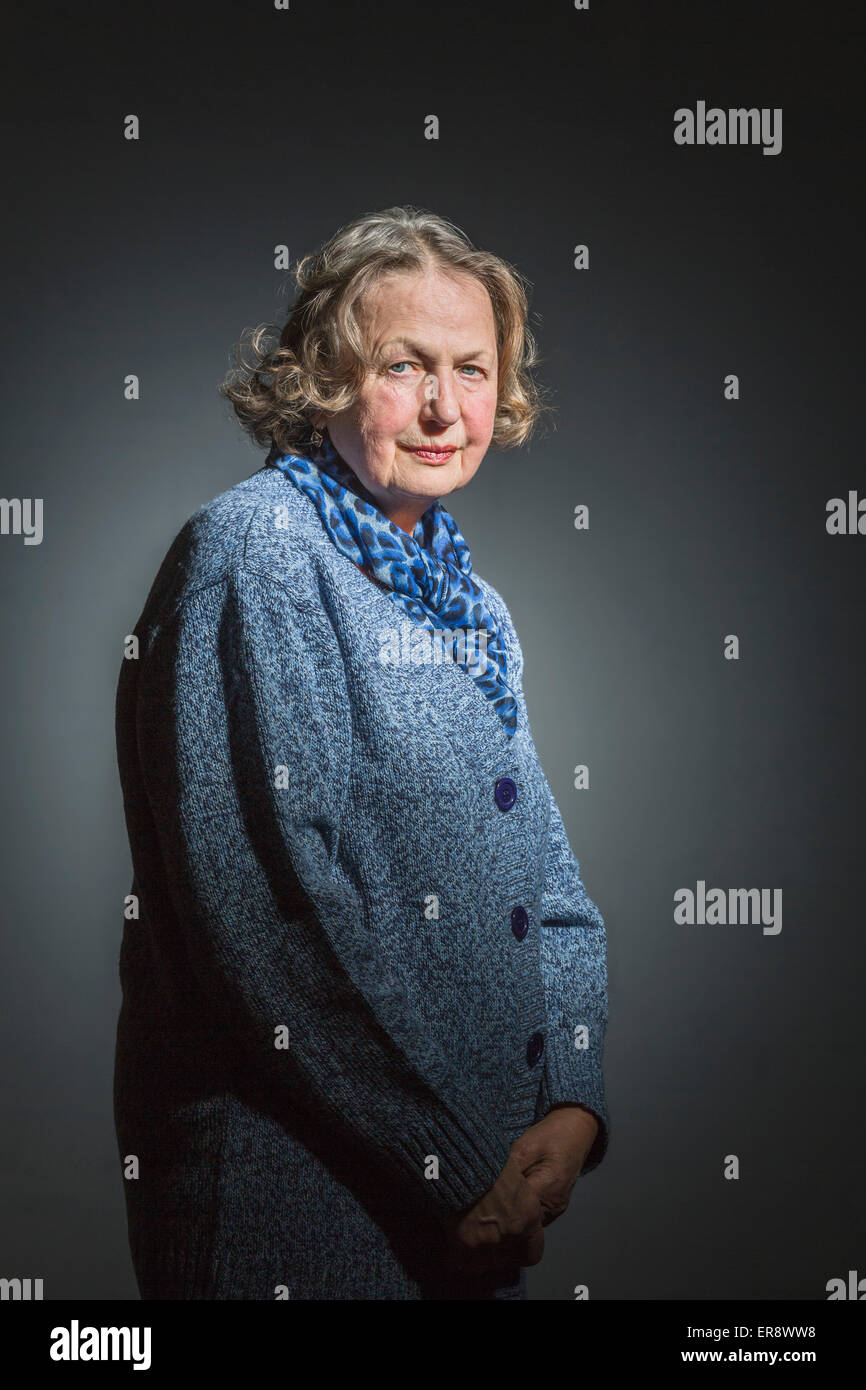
{"type": "Point", "coordinates": [433, 453]}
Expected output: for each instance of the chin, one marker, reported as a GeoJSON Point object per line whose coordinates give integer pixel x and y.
{"type": "Point", "coordinates": [433, 477]}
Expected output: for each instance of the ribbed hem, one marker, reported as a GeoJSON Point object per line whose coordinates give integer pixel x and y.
{"type": "Point", "coordinates": [177, 1274]}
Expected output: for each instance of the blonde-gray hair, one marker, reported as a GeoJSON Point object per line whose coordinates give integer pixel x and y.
{"type": "Point", "coordinates": [320, 359]}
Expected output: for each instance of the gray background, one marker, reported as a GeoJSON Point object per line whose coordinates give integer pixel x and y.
{"type": "Point", "coordinates": [707, 517]}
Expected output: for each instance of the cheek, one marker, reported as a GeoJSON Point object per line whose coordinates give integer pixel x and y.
{"type": "Point", "coordinates": [479, 414]}
{"type": "Point", "coordinates": [387, 408]}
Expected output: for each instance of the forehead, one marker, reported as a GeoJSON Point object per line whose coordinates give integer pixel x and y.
{"type": "Point", "coordinates": [431, 304]}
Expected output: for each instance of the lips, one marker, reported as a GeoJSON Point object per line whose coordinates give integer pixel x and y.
{"type": "Point", "coordinates": [434, 455]}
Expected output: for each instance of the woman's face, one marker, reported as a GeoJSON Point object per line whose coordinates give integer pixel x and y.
{"type": "Point", "coordinates": [433, 339]}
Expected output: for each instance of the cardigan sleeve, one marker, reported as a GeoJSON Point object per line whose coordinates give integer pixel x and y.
{"type": "Point", "coordinates": [574, 968]}
{"type": "Point", "coordinates": [573, 949]}
{"type": "Point", "coordinates": [244, 741]}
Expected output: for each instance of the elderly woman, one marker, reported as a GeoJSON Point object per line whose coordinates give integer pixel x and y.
{"type": "Point", "coordinates": [359, 1052]}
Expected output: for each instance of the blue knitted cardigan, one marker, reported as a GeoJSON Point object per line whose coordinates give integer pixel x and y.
{"type": "Point", "coordinates": [358, 957]}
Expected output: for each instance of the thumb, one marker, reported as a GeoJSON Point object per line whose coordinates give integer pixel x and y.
{"type": "Point", "coordinates": [526, 1149]}
{"type": "Point", "coordinates": [537, 1175]}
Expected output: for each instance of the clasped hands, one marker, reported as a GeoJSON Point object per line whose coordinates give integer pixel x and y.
{"type": "Point", "coordinates": [505, 1228]}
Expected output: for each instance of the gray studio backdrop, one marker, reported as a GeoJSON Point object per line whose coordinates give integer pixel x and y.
{"type": "Point", "coordinates": [707, 518]}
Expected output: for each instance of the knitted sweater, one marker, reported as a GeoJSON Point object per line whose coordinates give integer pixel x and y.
{"type": "Point", "coordinates": [355, 961]}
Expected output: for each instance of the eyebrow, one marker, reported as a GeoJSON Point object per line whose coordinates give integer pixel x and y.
{"type": "Point", "coordinates": [418, 351]}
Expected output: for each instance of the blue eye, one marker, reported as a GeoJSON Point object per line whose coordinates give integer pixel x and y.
{"type": "Point", "coordinates": [405, 362]}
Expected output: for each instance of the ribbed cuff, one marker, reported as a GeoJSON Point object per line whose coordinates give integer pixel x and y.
{"type": "Point", "coordinates": [575, 1075]}
{"type": "Point", "coordinates": [471, 1155]}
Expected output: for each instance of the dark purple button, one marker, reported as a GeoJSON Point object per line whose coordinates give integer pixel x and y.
{"type": "Point", "coordinates": [534, 1048]}
{"type": "Point", "coordinates": [519, 922]}
{"type": "Point", "coordinates": [505, 792]}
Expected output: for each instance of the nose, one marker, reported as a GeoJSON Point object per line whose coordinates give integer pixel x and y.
{"type": "Point", "coordinates": [440, 399]}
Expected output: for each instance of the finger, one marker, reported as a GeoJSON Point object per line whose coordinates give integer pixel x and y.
{"type": "Point", "coordinates": [534, 1248]}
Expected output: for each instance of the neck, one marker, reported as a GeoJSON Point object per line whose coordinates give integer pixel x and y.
{"type": "Point", "coordinates": [407, 516]}
{"type": "Point", "coordinates": [405, 513]}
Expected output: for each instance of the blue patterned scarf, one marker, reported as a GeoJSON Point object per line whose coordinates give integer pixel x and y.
{"type": "Point", "coordinates": [427, 574]}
